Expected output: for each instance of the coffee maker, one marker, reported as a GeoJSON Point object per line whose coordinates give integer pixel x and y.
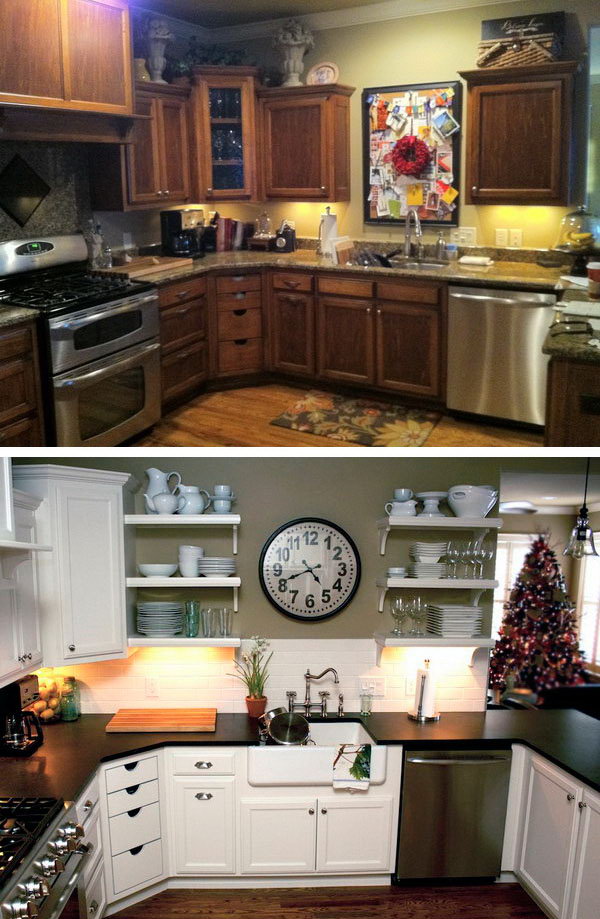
{"type": "Point", "coordinates": [21, 733]}
{"type": "Point", "coordinates": [182, 232]}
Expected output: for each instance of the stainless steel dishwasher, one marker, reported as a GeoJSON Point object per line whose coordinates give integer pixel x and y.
{"type": "Point", "coordinates": [495, 361]}
{"type": "Point", "coordinates": [452, 813]}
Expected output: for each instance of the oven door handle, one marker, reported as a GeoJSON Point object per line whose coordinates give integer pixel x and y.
{"type": "Point", "coordinates": [108, 369]}
{"type": "Point", "coordinates": [128, 307]}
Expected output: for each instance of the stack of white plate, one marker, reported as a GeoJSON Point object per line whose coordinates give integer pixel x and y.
{"type": "Point", "coordinates": [158, 619]}
{"type": "Point", "coordinates": [421, 570]}
{"type": "Point", "coordinates": [454, 621]}
{"type": "Point", "coordinates": [428, 552]}
{"type": "Point", "coordinates": [216, 567]}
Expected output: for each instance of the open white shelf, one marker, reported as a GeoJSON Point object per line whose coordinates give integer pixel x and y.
{"type": "Point", "coordinates": [479, 584]}
{"type": "Point", "coordinates": [188, 520]}
{"type": "Point", "coordinates": [140, 641]}
{"type": "Point", "coordinates": [28, 546]}
{"type": "Point", "coordinates": [385, 524]}
{"type": "Point", "coordinates": [386, 640]}
{"type": "Point", "coordinates": [184, 582]}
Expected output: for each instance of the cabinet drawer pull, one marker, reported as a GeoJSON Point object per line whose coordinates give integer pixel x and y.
{"type": "Point", "coordinates": [132, 789]}
{"type": "Point", "coordinates": [183, 293]}
{"type": "Point", "coordinates": [136, 850]}
{"type": "Point", "coordinates": [134, 812]}
{"type": "Point", "coordinates": [182, 310]}
{"type": "Point", "coordinates": [241, 341]}
{"type": "Point", "coordinates": [311, 811]}
{"type": "Point", "coordinates": [131, 766]}
{"type": "Point", "coordinates": [240, 312]}
{"type": "Point", "coordinates": [201, 764]}
{"type": "Point", "coordinates": [203, 796]}
{"type": "Point", "coordinates": [239, 277]}
{"type": "Point", "coordinates": [240, 295]}
{"type": "Point", "coordinates": [289, 283]}
{"type": "Point", "coordinates": [323, 810]}
{"type": "Point", "coordinates": [93, 907]}
{"type": "Point", "coordinates": [71, 647]}
{"type": "Point", "coordinates": [89, 805]}
{"type": "Point", "coordinates": [570, 797]}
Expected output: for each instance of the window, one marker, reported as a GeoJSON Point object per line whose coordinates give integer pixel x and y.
{"type": "Point", "coordinates": [588, 609]}
{"type": "Point", "coordinates": [510, 555]}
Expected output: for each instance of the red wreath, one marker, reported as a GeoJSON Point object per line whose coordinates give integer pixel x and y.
{"type": "Point", "coordinates": [410, 156]}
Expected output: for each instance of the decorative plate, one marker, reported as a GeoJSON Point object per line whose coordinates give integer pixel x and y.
{"type": "Point", "coordinates": [323, 73]}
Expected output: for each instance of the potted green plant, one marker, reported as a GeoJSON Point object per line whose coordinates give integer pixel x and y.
{"type": "Point", "coordinates": [252, 670]}
{"type": "Point", "coordinates": [180, 71]}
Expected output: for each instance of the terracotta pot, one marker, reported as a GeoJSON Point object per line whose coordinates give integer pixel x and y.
{"type": "Point", "coordinates": [256, 707]}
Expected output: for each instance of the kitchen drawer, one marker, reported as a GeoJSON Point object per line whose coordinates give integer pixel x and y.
{"type": "Point", "coordinates": [93, 896]}
{"type": "Point", "coordinates": [134, 828]}
{"type": "Point", "coordinates": [92, 839]}
{"type": "Point", "coordinates": [87, 804]}
{"type": "Point", "coordinates": [129, 798]}
{"type": "Point", "coordinates": [205, 762]}
{"type": "Point", "coordinates": [131, 773]}
{"type": "Point", "coordinates": [345, 287]}
{"type": "Point", "coordinates": [232, 283]}
{"type": "Point", "coordinates": [182, 323]}
{"type": "Point", "coordinates": [240, 323]}
{"type": "Point", "coordinates": [244, 355]}
{"type": "Point", "coordinates": [408, 292]}
{"type": "Point", "coordinates": [251, 299]}
{"type": "Point", "coordinates": [288, 280]}
{"type": "Point", "coordinates": [183, 371]}
{"type": "Point", "coordinates": [137, 866]}
{"type": "Point", "coordinates": [16, 343]}
{"type": "Point", "coordinates": [26, 432]}
{"type": "Point", "coordinates": [182, 291]}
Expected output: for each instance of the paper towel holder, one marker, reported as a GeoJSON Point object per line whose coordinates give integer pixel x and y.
{"type": "Point", "coordinates": [418, 715]}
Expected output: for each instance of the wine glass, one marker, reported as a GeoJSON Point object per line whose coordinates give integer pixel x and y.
{"type": "Point", "coordinates": [419, 614]}
{"type": "Point", "coordinates": [399, 611]}
{"type": "Point", "coordinates": [453, 558]}
{"type": "Point", "coordinates": [482, 555]}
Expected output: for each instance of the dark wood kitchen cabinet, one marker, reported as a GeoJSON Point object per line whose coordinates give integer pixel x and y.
{"type": "Point", "coordinates": [292, 324]}
{"type": "Point", "coordinates": [153, 171]}
{"type": "Point", "coordinates": [237, 340]}
{"type": "Point", "coordinates": [306, 143]}
{"type": "Point", "coordinates": [345, 340]}
{"type": "Point", "coordinates": [572, 404]}
{"type": "Point", "coordinates": [183, 319]}
{"type": "Point", "coordinates": [21, 410]}
{"type": "Point", "coordinates": [519, 134]}
{"type": "Point", "coordinates": [72, 54]}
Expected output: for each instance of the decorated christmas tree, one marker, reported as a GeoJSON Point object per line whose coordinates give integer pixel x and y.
{"type": "Point", "coordinates": [538, 644]}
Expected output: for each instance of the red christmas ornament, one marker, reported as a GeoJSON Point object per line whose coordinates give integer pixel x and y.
{"type": "Point", "coordinates": [410, 156]}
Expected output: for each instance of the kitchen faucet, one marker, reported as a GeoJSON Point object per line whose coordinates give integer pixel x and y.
{"type": "Point", "coordinates": [408, 234]}
{"type": "Point", "coordinates": [308, 705]}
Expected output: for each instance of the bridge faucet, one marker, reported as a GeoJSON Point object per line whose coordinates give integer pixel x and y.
{"type": "Point", "coordinates": [408, 234]}
{"type": "Point", "coordinates": [308, 705]}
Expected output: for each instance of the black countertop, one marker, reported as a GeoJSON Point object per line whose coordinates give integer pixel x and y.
{"type": "Point", "coordinates": [72, 751]}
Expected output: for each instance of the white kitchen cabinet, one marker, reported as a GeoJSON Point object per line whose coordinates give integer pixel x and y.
{"type": "Point", "coordinates": [203, 825]}
{"type": "Point", "coordinates": [82, 582]}
{"type": "Point", "coordinates": [20, 644]}
{"type": "Point", "coordinates": [585, 896]}
{"type": "Point", "coordinates": [354, 834]}
{"type": "Point", "coordinates": [92, 895]}
{"type": "Point", "coordinates": [550, 826]}
{"type": "Point", "coordinates": [278, 835]}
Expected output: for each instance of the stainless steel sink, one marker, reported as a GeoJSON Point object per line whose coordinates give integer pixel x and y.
{"type": "Point", "coordinates": [414, 264]}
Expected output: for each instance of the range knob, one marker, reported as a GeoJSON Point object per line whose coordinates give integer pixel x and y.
{"type": "Point", "coordinates": [48, 866]}
{"type": "Point", "coordinates": [70, 831]}
{"type": "Point", "coordinates": [34, 888]}
{"type": "Point", "coordinates": [61, 845]}
{"type": "Point", "coordinates": [20, 909]}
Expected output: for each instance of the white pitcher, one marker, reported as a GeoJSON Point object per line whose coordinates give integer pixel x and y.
{"type": "Point", "coordinates": [194, 503]}
{"type": "Point", "coordinates": [165, 503]}
{"type": "Point", "coordinates": [158, 484]}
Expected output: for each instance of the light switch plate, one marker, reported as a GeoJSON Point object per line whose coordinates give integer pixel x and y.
{"type": "Point", "coordinates": [464, 236]}
{"type": "Point", "coordinates": [502, 237]}
{"type": "Point", "coordinates": [151, 687]}
{"type": "Point", "coordinates": [373, 684]}
{"type": "Point", "coordinates": [515, 238]}
{"type": "Point", "coordinates": [410, 685]}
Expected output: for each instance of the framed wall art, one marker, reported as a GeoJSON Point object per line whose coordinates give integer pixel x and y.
{"type": "Point", "coordinates": [411, 155]}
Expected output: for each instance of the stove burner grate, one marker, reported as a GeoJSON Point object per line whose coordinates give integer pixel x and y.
{"type": "Point", "coordinates": [22, 821]}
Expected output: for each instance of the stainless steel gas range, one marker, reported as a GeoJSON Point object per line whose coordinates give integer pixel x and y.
{"type": "Point", "coordinates": [42, 855]}
{"type": "Point", "coordinates": [100, 352]}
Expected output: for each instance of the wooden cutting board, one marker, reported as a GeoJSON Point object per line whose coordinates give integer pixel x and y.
{"type": "Point", "coordinates": [148, 264]}
{"type": "Point", "coordinates": [153, 720]}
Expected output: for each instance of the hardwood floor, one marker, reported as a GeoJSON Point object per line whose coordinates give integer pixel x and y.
{"type": "Point", "coordinates": [490, 901]}
{"type": "Point", "coordinates": [240, 418]}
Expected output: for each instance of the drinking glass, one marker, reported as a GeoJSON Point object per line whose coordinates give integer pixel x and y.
{"type": "Point", "coordinates": [420, 617]}
{"type": "Point", "coordinates": [482, 555]}
{"type": "Point", "coordinates": [400, 615]}
{"type": "Point", "coordinates": [366, 703]}
{"type": "Point", "coordinates": [192, 618]}
{"type": "Point", "coordinates": [208, 619]}
{"type": "Point", "coordinates": [225, 622]}
{"type": "Point", "coordinates": [453, 558]}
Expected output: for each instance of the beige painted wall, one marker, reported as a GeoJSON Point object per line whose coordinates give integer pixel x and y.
{"type": "Point", "coordinates": [424, 48]}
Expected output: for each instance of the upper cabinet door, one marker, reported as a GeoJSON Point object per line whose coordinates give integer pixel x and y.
{"type": "Point", "coordinates": [296, 148]}
{"type": "Point", "coordinates": [31, 68]}
{"type": "Point", "coordinates": [174, 141]}
{"type": "Point", "coordinates": [144, 180]}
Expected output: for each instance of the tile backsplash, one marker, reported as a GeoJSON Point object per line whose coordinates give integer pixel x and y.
{"type": "Point", "coordinates": [172, 677]}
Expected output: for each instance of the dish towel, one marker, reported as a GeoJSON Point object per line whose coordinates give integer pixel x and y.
{"type": "Point", "coordinates": [352, 767]}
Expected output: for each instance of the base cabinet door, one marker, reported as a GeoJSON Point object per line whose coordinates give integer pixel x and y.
{"type": "Point", "coordinates": [204, 826]}
{"type": "Point", "coordinates": [408, 348]}
{"type": "Point", "coordinates": [354, 835]}
{"type": "Point", "coordinates": [585, 895]}
{"type": "Point", "coordinates": [549, 832]}
{"type": "Point", "coordinates": [292, 333]}
{"type": "Point", "coordinates": [278, 835]}
{"type": "Point", "coordinates": [345, 340]}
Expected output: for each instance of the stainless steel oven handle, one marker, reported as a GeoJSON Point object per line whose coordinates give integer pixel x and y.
{"type": "Point", "coordinates": [127, 307]}
{"type": "Point", "coordinates": [116, 366]}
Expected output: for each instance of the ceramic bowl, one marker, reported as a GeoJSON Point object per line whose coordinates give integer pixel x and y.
{"type": "Point", "coordinates": [471, 500]}
{"type": "Point", "coordinates": [157, 571]}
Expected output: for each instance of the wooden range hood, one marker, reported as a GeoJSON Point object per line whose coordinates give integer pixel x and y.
{"type": "Point", "coordinates": [40, 123]}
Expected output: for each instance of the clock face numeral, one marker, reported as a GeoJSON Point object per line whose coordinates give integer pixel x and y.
{"type": "Point", "coordinates": [309, 569]}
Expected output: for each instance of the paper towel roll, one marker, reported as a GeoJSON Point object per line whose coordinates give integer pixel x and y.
{"type": "Point", "coordinates": [477, 260]}
{"type": "Point", "coordinates": [428, 705]}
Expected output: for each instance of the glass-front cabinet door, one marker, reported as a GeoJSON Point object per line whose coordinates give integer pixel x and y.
{"type": "Point", "coordinates": [224, 118]}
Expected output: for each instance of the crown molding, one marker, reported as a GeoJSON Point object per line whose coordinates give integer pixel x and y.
{"type": "Point", "coordinates": [341, 19]}
{"type": "Point", "coordinates": [182, 29]}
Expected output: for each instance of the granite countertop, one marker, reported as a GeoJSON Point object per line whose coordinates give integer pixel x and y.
{"type": "Point", "coordinates": [13, 315]}
{"type": "Point", "coordinates": [505, 274]}
{"type": "Point", "coordinates": [72, 751]}
{"type": "Point", "coordinates": [575, 346]}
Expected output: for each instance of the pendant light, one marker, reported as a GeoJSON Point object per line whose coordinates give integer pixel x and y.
{"type": "Point", "coordinates": [581, 542]}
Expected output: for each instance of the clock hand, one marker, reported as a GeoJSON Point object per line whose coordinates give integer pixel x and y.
{"type": "Point", "coordinates": [312, 570]}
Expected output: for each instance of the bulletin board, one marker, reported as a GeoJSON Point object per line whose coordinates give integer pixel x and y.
{"type": "Point", "coordinates": [411, 156]}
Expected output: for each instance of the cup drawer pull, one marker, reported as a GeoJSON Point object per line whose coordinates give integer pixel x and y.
{"type": "Point", "coordinates": [132, 789]}
{"type": "Point", "coordinates": [241, 341]}
{"type": "Point", "coordinates": [239, 277]}
{"type": "Point", "coordinates": [136, 850]}
{"type": "Point", "coordinates": [131, 766]}
{"type": "Point", "coordinates": [203, 796]}
{"type": "Point", "coordinates": [240, 295]}
{"type": "Point", "coordinates": [202, 764]}
{"type": "Point", "coordinates": [134, 812]}
{"type": "Point", "coordinates": [240, 312]}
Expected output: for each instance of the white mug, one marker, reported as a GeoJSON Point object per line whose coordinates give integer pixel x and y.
{"type": "Point", "coordinates": [222, 491]}
{"type": "Point", "coordinates": [402, 494]}
{"type": "Point", "coordinates": [221, 505]}
{"type": "Point", "coordinates": [401, 508]}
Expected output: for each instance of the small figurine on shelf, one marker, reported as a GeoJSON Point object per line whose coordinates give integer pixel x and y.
{"type": "Point", "coordinates": [294, 41]}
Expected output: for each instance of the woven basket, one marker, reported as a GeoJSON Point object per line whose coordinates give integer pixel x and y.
{"type": "Point", "coordinates": [518, 52]}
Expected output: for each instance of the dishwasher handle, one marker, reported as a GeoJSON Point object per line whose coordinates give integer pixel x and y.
{"type": "Point", "coordinates": [472, 761]}
{"type": "Point", "coordinates": [537, 301]}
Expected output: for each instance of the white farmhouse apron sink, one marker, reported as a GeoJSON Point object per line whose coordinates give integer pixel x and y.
{"type": "Point", "coordinates": [312, 764]}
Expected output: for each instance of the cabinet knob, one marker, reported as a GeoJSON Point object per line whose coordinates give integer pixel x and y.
{"type": "Point", "coordinates": [166, 192]}
{"type": "Point", "coordinates": [368, 309]}
{"type": "Point", "coordinates": [159, 193]}
{"type": "Point", "coordinates": [379, 312]}
{"type": "Point", "coordinates": [28, 655]}
{"type": "Point", "coordinates": [311, 811]}
{"type": "Point", "coordinates": [71, 647]}
{"type": "Point", "coordinates": [570, 797]}
{"type": "Point", "coordinates": [209, 191]}
{"type": "Point", "coordinates": [203, 765]}
{"type": "Point", "coordinates": [582, 804]}
{"type": "Point", "coordinates": [93, 907]}
{"type": "Point", "coordinates": [323, 810]}
{"type": "Point", "coordinates": [323, 188]}
{"type": "Point", "coordinates": [203, 796]}
{"type": "Point", "coordinates": [474, 188]}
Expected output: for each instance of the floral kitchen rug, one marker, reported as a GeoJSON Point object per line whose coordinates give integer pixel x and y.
{"type": "Point", "coordinates": [359, 421]}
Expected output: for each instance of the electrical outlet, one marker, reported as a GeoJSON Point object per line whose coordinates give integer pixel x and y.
{"type": "Point", "coordinates": [373, 684]}
{"type": "Point", "coordinates": [501, 237]}
{"type": "Point", "coordinates": [515, 238]}
{"type": "Point", "coordinates": [464, 236]}
{"type": "Point", "coordinates": [410, 685]}
{"type": "Point", "coordinates": [151, 687]}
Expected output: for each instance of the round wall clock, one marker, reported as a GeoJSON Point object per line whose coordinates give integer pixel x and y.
{"type": "Point", "coordinates": [309, 569]}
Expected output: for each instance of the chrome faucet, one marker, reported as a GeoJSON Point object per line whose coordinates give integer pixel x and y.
{"type": "Point", "coordinates": [408, 234]}
{"type": "Point", "coordinates": [308, 705]}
